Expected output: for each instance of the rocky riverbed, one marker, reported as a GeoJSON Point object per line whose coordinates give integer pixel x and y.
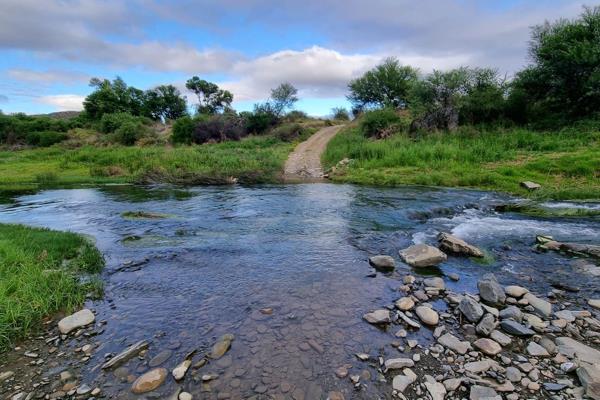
{"type": "Point", "coordinates": [305, 315]}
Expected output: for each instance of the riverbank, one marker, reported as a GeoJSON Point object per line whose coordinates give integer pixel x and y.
{"type": "Point", "coordinates": [252, 160]}
{"type": "Point", "coordinates": [40, 271]}
{"type": "Point", "coordinates": [564, 163]}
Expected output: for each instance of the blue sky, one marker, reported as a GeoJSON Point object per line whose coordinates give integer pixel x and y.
{"type": "Point", "coordinates": [50, 51]}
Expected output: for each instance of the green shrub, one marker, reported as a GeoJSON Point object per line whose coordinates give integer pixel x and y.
{"type": "Point", "coordinates": [288, 132]}
{"type": "Point", "coordinates": [340, 114]}
{"type": "Point", "coordinates": [381, 123]}
{"type": "Point", "coordinates": [110, 123]}
{"type": "Point", "coordinates": [45, 139]}
{"type": "Point", "coordinates": [263, 118]}
{"type": "Point", "coordinates": [183, 130]}
{"type": "Point", "coordinates": [128, 133]}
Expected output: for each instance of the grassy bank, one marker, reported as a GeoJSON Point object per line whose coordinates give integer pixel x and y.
{"type": "Point", "coordinates": [254, 159]}
{"type": "Point", "coordinates": [565, 163]}
{"type": "Point", "coordinates": [39, 276]}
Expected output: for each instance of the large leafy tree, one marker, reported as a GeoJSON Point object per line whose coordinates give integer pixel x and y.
{"type": "Point", "coordinates": [386, 85]}
{"type": "Point", "coordinates": [165, 102]}
{"type": "Point", "coordinates": [212, 99]}
{"type": "Point", "coordinates": [283, 97]}
{"type": "Point", "coordinates": [564, 78]}
{"type": "Point", "coordinates": [114, 96]}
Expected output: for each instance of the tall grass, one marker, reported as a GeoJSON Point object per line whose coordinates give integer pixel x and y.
{"type": "Point", "coordinates": [39, 276]}
{"type": "Point", "coordinates": [566, 163]}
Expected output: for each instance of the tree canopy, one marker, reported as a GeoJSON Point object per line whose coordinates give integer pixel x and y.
{"type": "Point", "coordinates": [212, 99]}
{"type": "Point", "coordinates": [283, 97]}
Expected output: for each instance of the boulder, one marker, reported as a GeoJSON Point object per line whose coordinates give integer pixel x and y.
{"type": "Point", "coordinates": [383, 263]}
{"type": "Point", "coordinates": [530, 185]}
{"type": "Point", "coordinates": [490, 290]}
{"type": "Point", "coordinates": [149, 381]}
{"type": "Point", "coordinates": [75, 321]}
{"type": "Point", "coordinates": [511, 312]}
{"type": "Point", "coordinates": [428, 315]}
{"type": "Point", "coordinates": [452, 244]}
{"type": "Point", "coordinates": [471, 309]}
{"type": "Point", "coordinates": [422, 255]}
{"type": "Point", "coordinates": [378, 317]}
{"type": "Point", "coordinates": [574, 349]}
{"type": "Point", "coordinates": [541, 307]}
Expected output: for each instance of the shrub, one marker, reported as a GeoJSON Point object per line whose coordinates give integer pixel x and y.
{"type": "Point", "coordinates": [45, 139]}
{"type": "Point", "coordinates": [340, 114]}
{"type": "Point", "coordinates": [381, 123]}
{"type": "Point", "coordinates": [219, 128]}
{"type": "Point", "coordinates": [109, 123]}
{"type": "Point", "coordinates": [262, 119]}
{"type": "Point", "coordinates": [183, 130]}
{"type": "Point", "coordinates": [128, 133]}
{"type": "Point", "coordinates": [288, 132]}
{"type": "Point", "coordinates": [296, 115]}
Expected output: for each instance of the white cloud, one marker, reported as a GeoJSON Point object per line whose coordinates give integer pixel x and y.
{"type": "Point", "coordinates": [63, 102]}
{"type": "Point", "coordinates": [47, 77]}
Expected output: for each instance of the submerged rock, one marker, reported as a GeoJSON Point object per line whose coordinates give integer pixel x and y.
{"type": "Point", "coordinates": [149, 381]}
{"type": "Point", "coordinates": [422, 255]}
{"type": "Point", "coordinates": [452, 244]}
{"type": "Point", "coordinates": [75, 321]}
{"type": "Point", "coordinates": [126, 354]}
{"type": "Point", "coordinates": [383, 263]}
{"type": "Point", "coordinates": [220, 348]}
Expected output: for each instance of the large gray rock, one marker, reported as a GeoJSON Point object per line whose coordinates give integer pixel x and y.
{"type": "Point", "coordinates": [490, 290]}
{"type": "Point", "coordinates": [378, 317]}
{"type": "Point", "coordinates": [486, 325]}
{"type": "Point", "coordinates": [541, 307]}
{"type": "Point", "coordinates": [574, 349]}
{"type": "Point", "coordinates": [383, 263]}
{"type": "Point", "coordinates": [452, 342]}
{"type": "Point", "coordinates": [487, 346]}
{"type": "Point", "coordinates": [422, 255]}
{"type": "Point", "coordinates": [535, 350]}
{"type": "Point", "coordinates": [483, 393]}
{"type": "Point", "coordinates": [589, 376]}
{"type": "Point", "coordinates": [511, 312]}
{"type": "Point", "coordinates": [515, 328]}
{"type": "Point", "coordinates": [452, 244]}
{"type": "Point", "coordinates": [75, 321]}
{"type": "Point", "coordinates": [471, 309]}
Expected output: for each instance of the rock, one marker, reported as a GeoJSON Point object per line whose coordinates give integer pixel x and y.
{"type": "Point", "coordinates": [428, 315]}
{"type": "Point", "coordinates": [408, 321]}
{"type": "Point", "coordinates": [515, 291]}
{"type": "Point", "coordinates": [511, 312]}
{"type": "Point", "coordinates": [488, 346]}
{"type": "Point", "coordinates": [574, 349]}
{"type": "Point", "coordinates": [530, 185]}
{"type": "Point", "coordinates": [542, 307]}
{"type": "Point", "coordinates": [589, 376]}
{"type": "Point", "coordinates": [452, 384]}
{"type": "Point", "coordinates": [500, 338]}
{"type": "Point", "coordinates": [405, 303]}
{"type": "Point", "coordinates": [6, 375]}
{"type": "Point", "coordinates": [515, 328]}
{"type": "Point", "coordinates": [477, 367]}
{"type": "Point", "coordinates": [378, 317]}
{"type": "Point", "coordinates": [160, 358]}
{"type": "Point", "coordinates": [486, 325]}
{"type": "Point", "coordinates": [126, 354]}
{"type": "Point", "coordinates": [490, 290]}
{"type": "Point", "coordinates": [595, 303]}
{"type": "Point", "coordinates": [149, 381]}
{"type": "Point", "coordinates": [435, 282]}
{"type": "Point", "coordinates": [470, 309]}
{"type": "Point", "coordinates": [180, 370]}
{"type": "Point", "coordinates": [335, 396]}
{"type": "Point", "coordinates": [422, 255]}
{"type": "Point", "coordinates": [185, 396]}
{"type": "Point", "coordinates": [401, 382]}
{"type": "Point", "coordinates": [75, 321]}
{"type": "Point", "coordinates": [483, 393]}
{"type": "Point", "coordinates": [553, 387]}
{"type": "Point", "coordinates": [453, 276]}
{"type": "Point", "coordinates": [383, 263]}
{"type": "Point", "coordinates": [221, 346]}
{"type": "Point", "coordinates": [399, 363]}
{"type": "Point", "coordinates": [452, 244]}
{"type": "Point", "coordinates": [436, 390]}
{"type": "Point", "coordinates": [452, 342]}
{"type": "Point", "coordinates": [535, 350]}
{"type": "Point", "coordinates": [513, 374]}
{"type": "Point", "coordinates": [83, 389]}
{"type": "Point", "coordinates": [534, 321]}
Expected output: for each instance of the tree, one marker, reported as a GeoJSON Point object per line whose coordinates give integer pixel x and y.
{"type": "Point", "coordinates": [340, 113]}
{"type": "Point", "coordinates": [114, 97]}
{"type": "Point", "coordinates": [212, 100]}
{"type": "Point", "coordinates": [283, 97]}
{"type": "Point", "coordinates": [564, 78]}
{"type": "Point", "coordinates": [165, 102]}
{"type": "Point", "coordinates": [386, 85]}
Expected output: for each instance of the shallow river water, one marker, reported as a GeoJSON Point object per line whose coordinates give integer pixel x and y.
{"type": "Point", "coordinates": [225, 253]}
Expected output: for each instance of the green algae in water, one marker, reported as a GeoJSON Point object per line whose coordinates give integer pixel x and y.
{"type": "Point", "coordinates": [151, 241]}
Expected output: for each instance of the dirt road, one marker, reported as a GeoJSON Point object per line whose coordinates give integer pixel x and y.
{"type": "Point", "coordinates": [304, 163]}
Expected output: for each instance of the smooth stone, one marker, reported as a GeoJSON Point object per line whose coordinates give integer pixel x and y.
{"type": "Point", "coordinates": [589, 376]}
{"type": "Point", "coordinates": [514, 328]}
{"type": "Point", "coordinates": [595, 303]}
{"type": "Point", "coordinates": [515, 291]}
{"type": "Point", "coordinates": [471, 309]}
{"type": "Point", "coordinates": [478, 367]}
{"type": "Point", "coordinates": [488, 346]}
{"type": "Point", "coordinates": [221, 346]}
{"type": "Point", "coordinates": [185, 396]}
{"type": "Point", "coordinates": [450, 341]}
{"type": "Point", "coordinates": [399, 363]}
{"type": "Point", "coordinates": [427, 315]}
{"type": "Point", "coordinates": [542, 307]}
{"type": "Point", "coordinates": [500, 338]}
{"type": "Point", "coordinates": [74, 321]}
{"type": "Point", "coordinates": [535, 350]}
{"type": "Point", "coordinates": [378, 317]}
{"type": "Point", "coordinates": [383, 263]}
{"type": "Point", "coordinates": [436, 390]}
{"type": "Point", "coordinates": [513, 374]}
{"type": "Point", "coordinates": [160, 358]}
{"type": "Point", "coordinates": [405, 303]}
{"type": "Point", "coordinates": [530, 185]}
{"type": "Point", "coordinates": [483, 393]}
{"type": "Point", "coordinates": [452, 384]}
{"type": "Point", "coordinates": [149, 381]}
{"type": "Point", "coordinates": [574, 349]}
{"type": "Point", "coordinates": [451, 244]}
{"type": "Point", "coordinates": [422, 255]}
{"type": "Point", "coordinates": [401, 382]}
{"type": "Point", "coordinates": [435, 282]}
{"type": "Point", "coordinates": [511, 312]}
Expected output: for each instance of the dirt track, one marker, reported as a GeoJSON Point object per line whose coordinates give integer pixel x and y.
{"type": "Point", "coordinates": [304, 163]}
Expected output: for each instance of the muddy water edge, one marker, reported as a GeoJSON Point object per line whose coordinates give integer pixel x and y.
{"type": "Point", "coordinates": [284, 270]}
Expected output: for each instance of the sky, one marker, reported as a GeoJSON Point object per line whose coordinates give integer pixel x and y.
{"type": "Point", "coordinates": [50, 49]}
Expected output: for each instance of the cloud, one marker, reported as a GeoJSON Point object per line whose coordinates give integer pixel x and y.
{"type": "Point", "coordinates": [47, 77]}
{"type": "Point", "coordinates": [63, 102]}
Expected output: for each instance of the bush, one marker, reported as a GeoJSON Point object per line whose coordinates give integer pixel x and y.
{"type": "Point", "coordinates": [288, 132]}
{"type": "Point", "coordinates": [262, 119]}
{"type": "Point", "coordinates": [381, 123]}
{"type": "Point", "coordinates": [183, 130]}
{"type": "Point", "coordinates": [219, 128]}
{"type": "Point", "coordinates": [340, 114]}
{"type": "Point", "coordinates": [129, 133]}
{"type": "Point", "coordinates": [45, 139]}
{"type": "Point", "coordinates": [296, 115]}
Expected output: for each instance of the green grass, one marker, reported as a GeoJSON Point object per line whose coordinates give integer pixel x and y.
{"type": "Point", "coordinates": [254, 159]}
{"type": "Point", "coordinates": [565, 163]}
{"type": "Point", "coordinates": [39, 276]}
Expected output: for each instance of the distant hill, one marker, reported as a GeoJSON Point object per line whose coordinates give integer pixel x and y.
{"type": "Point", "coordinates": [60, 114]}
